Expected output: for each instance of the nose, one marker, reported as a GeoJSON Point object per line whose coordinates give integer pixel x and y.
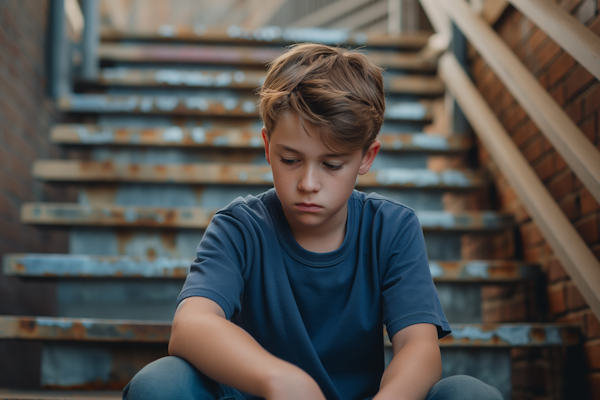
{"type": "Point", "coordinates": [309, 180]}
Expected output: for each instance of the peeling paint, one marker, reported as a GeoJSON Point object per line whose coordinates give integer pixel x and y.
{"type": "Point", "coordinates": [198, 135]}
{"type": "Point", "coordinates": [248, 106]}
{"type": "Point", "coordinates": [84, 265]}
{"type": "Point", "coordinates": [430, 142]}
{"type": "Point", "coordinates": [407, 111]}
{"type": "Point", "coordinates": [268, 177]}
{"type": "Point", "coordinates": [243, 176]}
{"type": "Point", "coordinates": [114, 73]}
{"type": "Point", "coordinates": [396, 176]}
{"type": "Point", "coordinates": [229, 104]}
{"type": "Point", "coordinates": [166, 30]}
{"type": "Point", "coordinates": [513, 335]}
{"type": "Point", "coordinates": [173, 134]}
{"type": "Point", "coordinates": [166, 103]}
{"type": "Point", "coordinates": [199, 103]}
{"type": "Point", "coordinates": [436, 270]}
{"type": "Point", "coordinates": [478, 269]}
{"type": "Point", "coordinates": [256, 142]}
{"type": "Point", "coordinates": [271, 33]}
{"type": "Point", "coordinates": [239, 77]}
{"type": "Point", "coordinates": [454, 178]}
{"type": "Point", "coordinates": [146, 104]}
{"type": "Point", "coordinates": [54, 322]}
{"type": "Point", "coordinates": [553, 335]}
{"type": "Point", "coordinates": [85, 136]}
{"type": "Point", "coordinates": [221, 141]}
{"type": "Point", "coordinates": [223, 79]}
{"type": "Point", "coordinates": [434, 219]}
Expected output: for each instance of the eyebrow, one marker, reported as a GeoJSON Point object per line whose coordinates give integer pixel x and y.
{"type": "Point", "coordinates": [284, 147]}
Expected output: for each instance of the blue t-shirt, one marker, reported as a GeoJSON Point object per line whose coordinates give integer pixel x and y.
{"type": "Point", "coordinates": [323, 312]}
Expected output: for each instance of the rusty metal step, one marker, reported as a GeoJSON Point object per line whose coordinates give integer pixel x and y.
{"type": "Point", "coordinates": [231, 106]}
{"type": "Point", "coordinates": [198, 218]}
{"type": "Point", "coordinates": [268, 35]}
{"type": "Point", "coordinates": [240, 174]}
{"type": "Point", "coordinates": [244, 80]}
{"type": "Point", "coordinates": [84, 266]}
{"type": "Point", "coordinates": [245, 136]}
{"type": "Point", "coordinates": [15, 394]}
{"type": "Point", "coordinates": [239, 56]}
{"type": "Point", "coordinates": [101, 330]}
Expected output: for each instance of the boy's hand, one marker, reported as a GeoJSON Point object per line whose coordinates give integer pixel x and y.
{"type": "Point", "coordinates": [294, 384]}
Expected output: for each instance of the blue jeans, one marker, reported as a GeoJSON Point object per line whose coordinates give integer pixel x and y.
{"type": "Point", "coordinates": [175, 378]}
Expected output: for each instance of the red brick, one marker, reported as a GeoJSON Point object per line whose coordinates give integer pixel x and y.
{"type": "Point", "coordinates": [536, 39]}
{"type": "Point", "coordinates": [533, 150]}
{"type": "Point", "coordinates": [593, 326]}
{"type": "Point", "coordinates": [569, 5]}
{"type": "Point", "coordinates": [592, 354]}
{"type": "Point", "coordinates": [577, 81]}
{"type": "Point", "coordinates": [524, 133]}
{"type": "Point", "coordinates": [575, 111]}
{"type": "Point", "coordinates": [558, 93]}
{"type": "Point", "coordinates": [591, 101]}
{"type": "Point", "coordinates": [589, 129]}
{"type": "Point", "coordinates": [513, 117]}
{"type": "Point", "coordinates": [588, 202]}
{"type": "Point", "coordinates": [594, 384]}
{"type": "Point", "coordinates": [559, 68]}
{"type": "Point", "coordinates": [595, 25]}
{"type": "Point", "coordinates": [556, 299]}
{"type": "Point", "coordinates": [533, 254]}
{"type": "Point", "coordinates": [545, 168]}
{"type": "Point", "coordinates": [575, 300]}
{"type": "Point", "coordinates": [547, 53]}
{"type": "Point", "coordinates": [530, 234]}
{"type": "Point", "coordinates": [570, 206]}
{"type": "Point", "coordinates": [555, 271]}
{"type": "Point", "coordinates": [588, 229]}
{"type": "Point", "coordinates": [561, 185]}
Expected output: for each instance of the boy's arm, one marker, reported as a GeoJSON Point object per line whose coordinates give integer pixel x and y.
{"type": "Point", "coordinates": [416, 365]}
{"type": "Point", "coordinates": [226, 353]}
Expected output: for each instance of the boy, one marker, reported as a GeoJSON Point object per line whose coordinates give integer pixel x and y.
{"type": "Point", "coordinates": [311, 270]}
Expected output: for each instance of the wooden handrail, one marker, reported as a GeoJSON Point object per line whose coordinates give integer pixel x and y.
{"type": "Point", "coordinates": [565, 136]}
{"type": "Point", "coordinates": [567, 244]}
{"type": "Point", "coordinates": [574, 37]}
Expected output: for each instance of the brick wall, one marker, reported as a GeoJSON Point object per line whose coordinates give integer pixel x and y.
{"type": "Point", "coordinates": [556, 299]}
{"type": "Point", "coordinates": [26, 115]}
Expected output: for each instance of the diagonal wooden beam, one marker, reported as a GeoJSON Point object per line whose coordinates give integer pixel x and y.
{"type": "Point", "coordinates": [363, 17]}
{"type": "Point", "coordinates": [329, 13]}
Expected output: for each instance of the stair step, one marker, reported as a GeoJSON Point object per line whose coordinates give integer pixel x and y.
{"type": "Point", "coordinates": [74, 265]}
{"type": "Point", "coordinates": [241, 174]}
{"type": "Point", "coordinates": [195, 217]}
{"type": "Point", "coordinates": [244, 79]}
{"type": "Point", "coordinates": [104, 330]}
{"type": "Point", "coordinates": [268, 35]}
{"type": "Point", "coordinates": [210, 106]}
{"type": "Point", "coordinates": [239, 56]}
{"type": "Point", "coordinates": [15, 394]}
{"type": "Point", "coordinates": [242, 137]}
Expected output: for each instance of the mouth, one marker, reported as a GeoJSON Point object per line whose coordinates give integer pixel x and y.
{"type": "Point", "coordinates": [308, 207]}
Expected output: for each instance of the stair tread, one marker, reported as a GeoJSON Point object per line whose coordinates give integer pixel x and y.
{"type": "Point", "coordinates": [244, 136]}
{"type": "Point", "coordinates": [230, 106]}
{"type": "Point", "coordinates": [238, 56]}
{"type": "Point", "coordinates": [74, 265]}
{"type": "Point", "coordinates": [14, 394]}
{"type": "Point", "coordinates": [241, 174]}
{"type": "Point", "coordinates": [196, 217]}
{"type": "Point", "coordinates": [244, 79]}
{"type": "Point", "coordinates": [268, 35]}
{"type": "Point", "coordinates": [110, 330]}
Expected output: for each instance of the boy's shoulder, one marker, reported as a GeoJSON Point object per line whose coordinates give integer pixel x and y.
{"type": "Point", "coordinates": [381, 204]}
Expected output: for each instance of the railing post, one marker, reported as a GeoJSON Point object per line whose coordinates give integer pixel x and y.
{"type": "Point", "coordinates": [458, 47]}
{"type": "Point", "coordinates": [59, 63]}
{"type": "Point", "coordinates": [89, 69]}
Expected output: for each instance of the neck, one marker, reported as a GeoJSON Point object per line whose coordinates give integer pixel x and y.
{"type": "Point", "coordinates": [324, 238]}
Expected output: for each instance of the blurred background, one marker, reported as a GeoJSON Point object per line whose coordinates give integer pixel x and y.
{"type": "Point", "coordinates": [125, 124]}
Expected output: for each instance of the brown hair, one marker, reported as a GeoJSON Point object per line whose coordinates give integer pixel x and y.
{"type": "Point", "coordinates": [338, 91]}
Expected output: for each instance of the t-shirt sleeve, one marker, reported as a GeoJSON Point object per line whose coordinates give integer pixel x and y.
{"type": "Point", "coordinates": [217, 271]}
{"type": "Point", "coordinates": [409, 295]}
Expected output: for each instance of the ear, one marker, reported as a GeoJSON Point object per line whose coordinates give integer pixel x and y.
{"type": "Point", "coordinates": [369, 157]}
{"type": "Point", "coordinates": [266, 140]}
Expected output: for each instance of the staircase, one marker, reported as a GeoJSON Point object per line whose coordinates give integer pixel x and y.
{"type": "Point", "coordinates": [167, 135]}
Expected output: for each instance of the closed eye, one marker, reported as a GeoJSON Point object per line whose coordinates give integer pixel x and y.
{"type": "Point", "coordinates": [288, 161]}
{"type": "Point", "coordinates": [333, 167]}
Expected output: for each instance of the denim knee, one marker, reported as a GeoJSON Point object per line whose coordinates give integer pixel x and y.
{"type": "Point", "coordinates": [463, 387]}
{"type": "Point", "coordinates": [169, 378]}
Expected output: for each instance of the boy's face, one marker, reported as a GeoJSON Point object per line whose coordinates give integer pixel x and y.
{"type": "Point", "coordinates": [312, 182]}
